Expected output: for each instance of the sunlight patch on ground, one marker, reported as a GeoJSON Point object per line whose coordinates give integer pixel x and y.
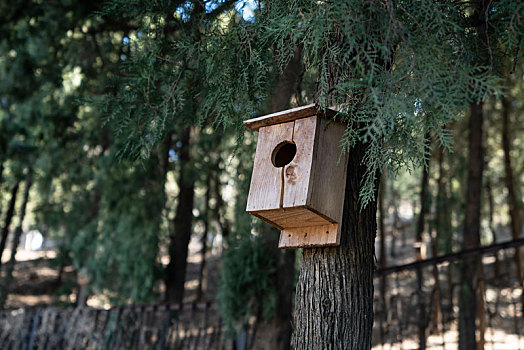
{"type": "Point", "coordinates": [494, 340]}
{"type": "Point", "coordinates": [26, 255]}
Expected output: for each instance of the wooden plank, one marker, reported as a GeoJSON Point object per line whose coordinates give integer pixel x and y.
{"type": "Point", "coordinates": [265, 191]}
{"type": "Point", "coordinates": [328, 175]}
{"type": "Point", "coordinates": [288, 115]}
{"type": "Point", "coordinates": [297, 173]}
{"type": "Point", "coordinates": [291, 217]}
{"type": "Point", "coordinates": [310, 237]}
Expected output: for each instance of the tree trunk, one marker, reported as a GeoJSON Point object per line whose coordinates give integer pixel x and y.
{"type": "Point", "coordinates": [382, 256]}
{"type": "Point", "coordinates": [220, 207]}
{"type": "Point", "coordinates": [439, 233]}
{"type": "Point", "coordinates": [8, 218]}
{"type": "Point", "coordinates": [491, 211]}
{"type": "Point", "coordinates": [16, 241]}
{"type": "Point", "coordinates": [279, 329]}
{"type": "Point", "coordinates": [396, 221]}
{"type": "Point", "coordinates": [420, 248]}
{"type": "Point", "coordinates": [182, 225]}
{"type": "Point", "coordinates": [424, 200]}
{"type": "Point", "coordinates": [1, 181]}
{"type": "Point", "coordinates": [471, 233]}
{"type": "Point", "coordinates": [203, 251]}
{"type": "Point", "coordinates": [510, 183]}
{"type": "Point", "coordinates": [334, 299]}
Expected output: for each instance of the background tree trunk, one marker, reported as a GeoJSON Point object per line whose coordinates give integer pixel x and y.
{"type": "Point", "coordinates": [16, 241]}
{"type": "Point", "coordinates": [471, 233]}
{"type": "Point", "coordinates": [382, 260]}
{"type": "Point", "coordinates": [203, 251]}
{"type": "Point", "coordinates": [424, 200]}
{"type": "Point", "coordinates": [182, 225]}
{"type": "Point", "coordinates": [279, 328]}
{"type": "Point", "coordinates": [420, 249]}
{"type": "Point", "coordinates": [510, 183]}
{"type": "Point", "coordinates": [8, 218]}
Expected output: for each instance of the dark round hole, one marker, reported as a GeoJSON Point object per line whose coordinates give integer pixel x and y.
{"type": "Point", "coordinates": [283, 154]}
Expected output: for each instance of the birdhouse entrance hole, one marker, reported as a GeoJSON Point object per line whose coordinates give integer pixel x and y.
{"type": "Point", "coordinates": [283, 154]}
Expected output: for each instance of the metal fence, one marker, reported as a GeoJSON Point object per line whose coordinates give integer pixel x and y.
{"type": "Point", "coordinates": [416, 305]}
{"type": "Point", "coordinates": [188, 326]}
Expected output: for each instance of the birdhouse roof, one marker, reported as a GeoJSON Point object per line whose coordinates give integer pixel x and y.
{"type": "Point", "coordinates": [289, 115]}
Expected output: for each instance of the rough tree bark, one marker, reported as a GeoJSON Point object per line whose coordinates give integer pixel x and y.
{"type": "Point", "coordinates": [334, 298]}
{"type": "Point", "coordinates": [8, 218]}
{"type": "Point", "coordinates": [182, 224]}
{"type": "Point", "coordinates": [471, 230]}
{"type": "Point", "coordinates": [16, 241]}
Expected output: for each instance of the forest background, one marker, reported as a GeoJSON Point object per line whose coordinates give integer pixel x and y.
{"type": "Point", "coordinates": [121, 142]}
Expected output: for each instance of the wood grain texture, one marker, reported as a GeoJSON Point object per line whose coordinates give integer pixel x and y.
{"type": "Point", "coordinates": [288, 115]}
{"type": "Point", "coordinates": [297, 174]}
{"type": "Point", "coordinates": [305, 198]}
{"type": "Point", "coordinates": [328, 174]}
{"type": "Point", "coordinates": [310, 237]}
{"type": "Point", "coordinates": [266, 181]}
{"type": "Point", "coordinates": [291, 217]}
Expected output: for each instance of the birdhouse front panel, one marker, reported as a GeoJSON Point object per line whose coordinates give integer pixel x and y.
{"type": "Point", "coordinates": [281, 175]}
{"type": "Point", "coordinates": [298, 177]}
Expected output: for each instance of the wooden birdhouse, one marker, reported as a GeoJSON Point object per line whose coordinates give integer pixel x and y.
{"type": "Point", "coordinates": [299, 176]}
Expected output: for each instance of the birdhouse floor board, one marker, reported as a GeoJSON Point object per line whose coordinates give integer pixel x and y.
{"type": "Point", "coordinates": [310, 237]}
{"type": "Point", "coordinates": [292, 217]}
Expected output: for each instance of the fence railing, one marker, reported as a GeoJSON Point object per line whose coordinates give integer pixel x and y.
{"type": "Point", "coordinates": [187, 326]}
{"type": "Point", "coordinates": [416, 306]}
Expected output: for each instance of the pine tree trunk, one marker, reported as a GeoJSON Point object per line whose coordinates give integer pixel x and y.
{"type": "Point", "coordinates": [491, 211]}
{"type": "Point", "coordinates": [1, 181]}
{"type": "Point", "coordinates": [8, 218]}
{"type": "Point", "coordinates": [423, 203]}
{"type": "Point", "coordinates": [182, 225]}
{"type": "Point", "coordinates": [435, 243]}
{"type": "Point", "coordinates": [396, 221]}
{"type": "Point", "coordinates": [420, 245]}
{"type": "Point", "coordinates": [16, 241]}
{"type": "Point", "coordinates": [220, 207]}
{"type": "Point", "coordinates": [471, 233]}
{"type": "Point", "coordinates": [334, 299]}
{"type": "Point", "coordinates": [203, 251]}
{"type": "Point", "coordinates": [510, 183]}
{"type": "Point", "coordinates": [382, 261]}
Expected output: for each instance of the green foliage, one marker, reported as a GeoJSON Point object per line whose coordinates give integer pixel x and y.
{"type": "Point", "coordinates": [403, 68]}
{"type": "Point", "coordinates": [246, 287]}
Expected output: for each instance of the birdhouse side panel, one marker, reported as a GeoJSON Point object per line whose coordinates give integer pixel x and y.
{"type": "Point", "coordinates": [328, 173]}
{"type": "Point", "coordinates": [265, 191]}
{"type": "Point", "coordinates": [297, 173]}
